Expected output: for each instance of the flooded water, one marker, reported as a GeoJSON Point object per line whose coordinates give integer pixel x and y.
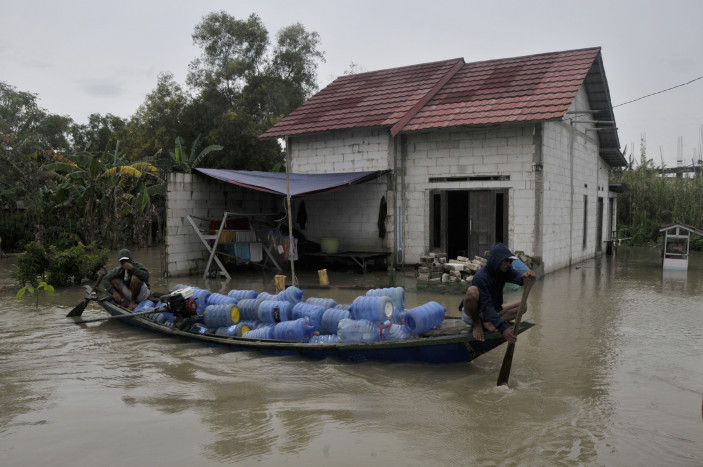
{"type": "Point", "coordinates": [612, 375]}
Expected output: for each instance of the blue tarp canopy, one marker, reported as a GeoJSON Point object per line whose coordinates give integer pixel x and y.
{"type": "Point", "coordinates": [300, 184]}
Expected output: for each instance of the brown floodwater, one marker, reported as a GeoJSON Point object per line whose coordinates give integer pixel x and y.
{"type": "Point", "coordinates": [612, 375]}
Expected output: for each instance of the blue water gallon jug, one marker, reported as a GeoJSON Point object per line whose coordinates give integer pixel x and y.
{"type": "Point", "coordinates": [396, 294]}
{"type": "Point", "coordinates": [220, 299]}
{"type": "Point", "coordinates": [292, 294]}
{"type": "Point", "coordinates": [298, 330]}
{"type": "Point", "coordinates": [323, 302]}
{"type": "Point", "coordinates": [144, 305]}
{"type": "Point", "coordinates": [394, 332]}
{"type": "Point", "coordinates": [331, 318]}
{"type": "Point", "coordinates": [242, 294]}
{"type": "Point", "coordinates": [249, 308]}
{"type": "Point", "coordinates": [262, 332]}
{"type": "Point", "coordinates": [200, 296]}
{"type": "Point", "coordinates": [306, 310]}
{"type": "Point", "coordinates": [274, 311]}
{"type": "Point", "coordinates": [424, 317]}
{"type": "Point", "coordinates": [324, 339]}
{"type": "Point", "coordinates": [358, 330]}
{"type": "Point", "coordinates": [267, 296]}
{"type": "Point", "coordinates": [242, 327]}
{"type": "Point", "coordinates": [399, 316]}
{"type": "Point", "coordinates": [376, 309]}
{"type": "Point", "coordinates": [216, 316]}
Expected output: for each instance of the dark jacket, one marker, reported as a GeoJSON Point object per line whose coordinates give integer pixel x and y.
{"type": "Point", "coordinates": [490, 282]}
{"type": "Point", "coordinates": [125, 275]}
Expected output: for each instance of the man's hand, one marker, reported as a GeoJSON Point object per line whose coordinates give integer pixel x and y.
{"type": "Point", "coordinates": [127, 265]}
{"type": "Point", "coordinates": [529, 275]}
{"type": "Point", "coordinates": [509, 336]}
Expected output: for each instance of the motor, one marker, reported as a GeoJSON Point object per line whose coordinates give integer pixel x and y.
{"type": "Point", "coordinates": [182, 306]}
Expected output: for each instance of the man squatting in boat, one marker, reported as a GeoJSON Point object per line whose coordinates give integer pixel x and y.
{"type": "Point", "coordinates": [483, 302]}
{"type": "Point", "coordinates": [128, 283]}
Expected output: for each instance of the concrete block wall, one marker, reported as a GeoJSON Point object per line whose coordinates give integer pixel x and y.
{"type": "Point", "coordinates": [502, 150]}
{"type": "Point", "coordinates": [356, 150]}
{"type": "Point", "coordinates": [351, 215]}
{"type": "Point", "coordinates": [573, 170]}
{"type": "Point", "coordinates": [201, 196]}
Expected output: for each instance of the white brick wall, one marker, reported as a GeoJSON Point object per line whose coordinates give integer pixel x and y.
{"type": "Point", "coordinates": [201, 196]}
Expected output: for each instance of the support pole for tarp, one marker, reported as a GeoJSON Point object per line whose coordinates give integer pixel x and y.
{"type": "Point", "coordinates": [290, 216]}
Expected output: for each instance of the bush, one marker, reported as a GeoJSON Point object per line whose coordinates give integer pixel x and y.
{"type": "Point", "coordinates": [63, 267]}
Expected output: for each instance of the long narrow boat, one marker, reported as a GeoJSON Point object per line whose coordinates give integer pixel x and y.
{"type": "Point", "coordinates": [450, 342]}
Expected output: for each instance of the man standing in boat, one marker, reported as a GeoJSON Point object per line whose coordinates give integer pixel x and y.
{"type": "Point", "coordinates": [128, 283]}
{"type": "Point", "coordinates": [483, 302]}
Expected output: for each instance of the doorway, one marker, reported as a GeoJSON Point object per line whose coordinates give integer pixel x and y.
{"type": "Point", "coordinates": [468, 222]}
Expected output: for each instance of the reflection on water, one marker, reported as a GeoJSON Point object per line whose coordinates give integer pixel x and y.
{"type": "Point", "coordinates": [611, 376]}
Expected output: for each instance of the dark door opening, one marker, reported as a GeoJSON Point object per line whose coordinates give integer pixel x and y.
{"type": "Point", "coordinates": [457, 223]}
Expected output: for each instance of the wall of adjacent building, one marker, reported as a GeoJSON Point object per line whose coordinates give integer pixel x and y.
{"type": "Point", "coordinates": [205, 198]}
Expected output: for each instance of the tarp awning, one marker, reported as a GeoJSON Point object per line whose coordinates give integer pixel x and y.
{"type": "Point", "coordinates": [300, 184]}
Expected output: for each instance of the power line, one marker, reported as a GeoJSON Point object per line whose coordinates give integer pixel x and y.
{"type": "Point", "coordinates": [659, 92]}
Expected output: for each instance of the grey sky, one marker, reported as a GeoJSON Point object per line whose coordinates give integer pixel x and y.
{"type": "Point", "coordinates": [94, 56]}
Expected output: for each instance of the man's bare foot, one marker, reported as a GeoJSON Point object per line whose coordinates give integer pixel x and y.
{"type": "Point", "coordinates": [489, 327]}
{"type": "Point", "coordinates": [478, 333]}
{"type": "Point", "coordinates": [132, 306]}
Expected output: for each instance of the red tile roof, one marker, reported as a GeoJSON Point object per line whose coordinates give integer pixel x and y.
{"type": "Point", "coordinates": [445, 94]}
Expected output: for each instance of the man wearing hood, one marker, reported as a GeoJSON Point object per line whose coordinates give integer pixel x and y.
{"type": "Point", "coordinates": [129, 282]}
{"type": "Point", "coordinates": [483, 302]}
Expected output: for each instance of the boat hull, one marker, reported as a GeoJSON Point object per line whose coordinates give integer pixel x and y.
{"type": "Point", "coordinates": [450, 343]}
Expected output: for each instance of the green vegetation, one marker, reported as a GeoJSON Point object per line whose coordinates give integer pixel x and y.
{"type": "Point", "coordinates": [65, 184]}
{"type": "Point", "coordinates": [35, 290]}
{"type": "Point", "coordinates": [58, 267]}
{"type": "Point", "coordinates": [653, 199]}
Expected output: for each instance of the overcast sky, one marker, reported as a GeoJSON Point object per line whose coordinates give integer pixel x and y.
{"type": "Point", "coordinates": [93, 56]}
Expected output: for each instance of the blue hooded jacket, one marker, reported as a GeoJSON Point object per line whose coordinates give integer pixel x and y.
{"type": "Point", "coordinates": [490, 282]}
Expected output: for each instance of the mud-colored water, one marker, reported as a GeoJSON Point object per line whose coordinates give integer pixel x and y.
{"type": "Point", "coordinates": [612, 375]}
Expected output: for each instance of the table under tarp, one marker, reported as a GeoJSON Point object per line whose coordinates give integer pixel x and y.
{"type": "Point", "coordinates": [359, 257]}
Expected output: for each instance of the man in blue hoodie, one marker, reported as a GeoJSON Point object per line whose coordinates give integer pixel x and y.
{"type": "Point", "coordinates": [483, 302]}
{"type": "Point", "coordinates": [128, 283]}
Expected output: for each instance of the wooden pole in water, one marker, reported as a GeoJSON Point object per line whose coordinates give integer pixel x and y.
{"type": "Point", "coordinates": [290, 216]}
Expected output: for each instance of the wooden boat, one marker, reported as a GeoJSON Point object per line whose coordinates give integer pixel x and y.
{"type": "Point", "coordinates": [450, 342]}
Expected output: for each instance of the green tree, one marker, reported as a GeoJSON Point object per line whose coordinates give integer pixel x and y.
{"type": "Point", "coordinates": [244, 86]}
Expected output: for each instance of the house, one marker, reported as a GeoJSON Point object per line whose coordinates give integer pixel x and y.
{"type": "Point", "coordinates": [514, 150]}
{"type": "Point", "coordinates": [456, 156]}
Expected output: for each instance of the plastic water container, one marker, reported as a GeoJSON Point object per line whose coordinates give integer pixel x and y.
{"type": "Point", "coordinates": [358, 330]}
{"type": "Point", "coordinates": [216, 316]}
{"type": "Point", "coordinates": [243, 327]}
{"type": "Point", "coordinates": [396, 294]}
{"type": "Point", "coordinates": [323, 302]}
{"type": "Point", "coordinates": [306, 310]}
{"type": "Point", "coordinates": [242, 294]}
{"type": "Point", "coordinates": [220, 299]}
{"type": "Point", "coordinates": [331, 318]}
{"type": "Point", "coordinates": [394, 332]}
{"type": "Point", "coordinates": [249, 308]}
{"type": "Point", "coordinates": [144, 305]}
{"type": "Point", "coordinates": [376, 309]}
{"type": "Point", "coordinates": [263, 332]}
{"type": "Point", "coordinates": [267, 296]}
{"type": "Point", "coordinates": [324, 339]}
{"type": "Point", "coordinates": [399, 316]}
{"type": "Point", "coordinates": [424, 317]}
{"type": "Point", "coordinates": [274, 311]}
{"type": "Point", "coordinates": [344, 306]}
{"type": "Point", "coordinates": [292, 294]}
{"type": "Point", "coordinates": [298, 330]}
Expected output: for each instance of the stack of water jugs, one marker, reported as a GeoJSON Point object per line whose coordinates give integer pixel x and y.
{"type": "Point", "coordinates": [379, 315]}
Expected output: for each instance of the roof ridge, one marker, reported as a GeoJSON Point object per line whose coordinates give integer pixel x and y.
{"type": "Point", "coordinates": [397, 128]}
